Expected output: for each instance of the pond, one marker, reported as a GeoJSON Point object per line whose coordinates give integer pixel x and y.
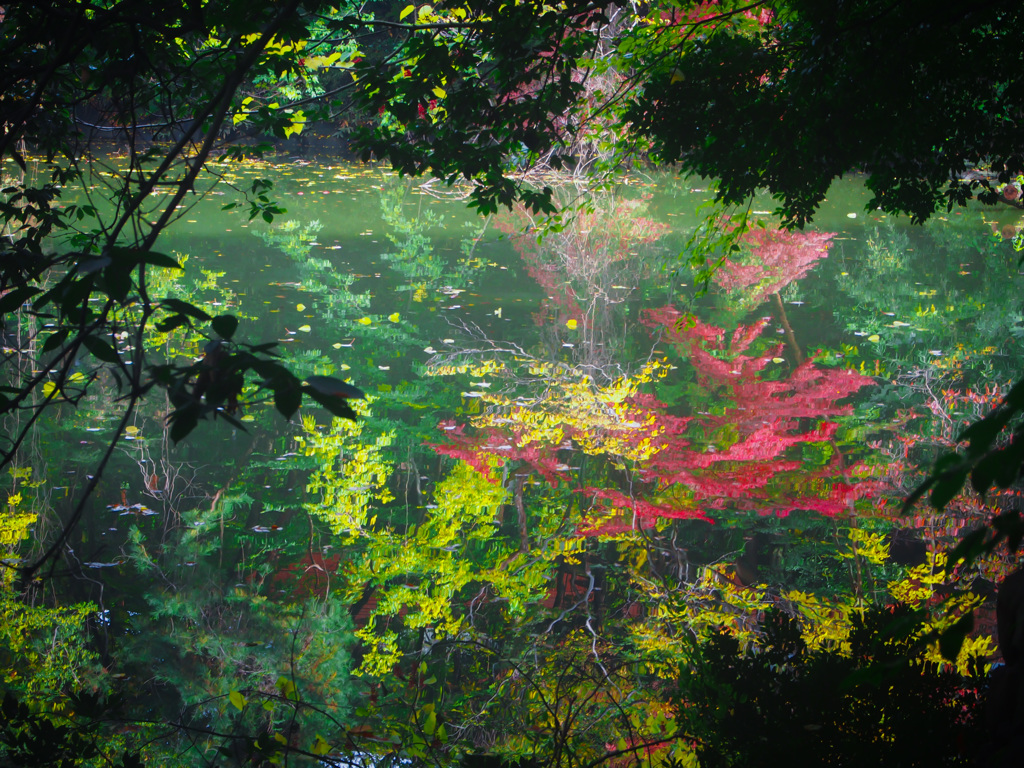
{"type": "Point", "coordinates": [568, 453]}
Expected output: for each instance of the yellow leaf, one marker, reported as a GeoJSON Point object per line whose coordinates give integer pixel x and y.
{"type": "Point", "coordinates": [237, 699]}
{"type": "Point", "coordinates": [874, 337]}
{"type": "Point", "coordinates": [394, 317]}
{"type": "Point", "coordinates": [300, 307]}
{"type": "Point", "coordinates": [305, 328]}
{"type": "Point", "coordinates": [406, 11]}
{"type": "Point", "coordinates": [336, 345]}
{"type": "Point", "coordinates": [298, 123]}
{"type": "Point", "coordinates": [364, 321]}
{"type": "Point", "coordinates": [321, 747]}
{"type": "Point", "coordinates": [571, 325]}
{"type": "Point", "coordinates": [132, 430]}
{"type": "Point", "coordinates": [439, 92]}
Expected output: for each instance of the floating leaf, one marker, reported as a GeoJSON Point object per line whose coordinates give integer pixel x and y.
{"type": "Point", "coordinates": [365, 321]}
{"type": "Point", "coordinates": [874, 337]}
{"type": "Point", "coordinates": [300, 307]}
{"type": "Point", "coordinates": [131, 430]}
{"type": "Point", "coordinates": [305, 328]}
{"type": "Point", "coordinates": [394, 317]}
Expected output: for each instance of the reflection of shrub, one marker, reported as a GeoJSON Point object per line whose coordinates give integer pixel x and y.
{"type": "Point", "coordinates": [778, 704]}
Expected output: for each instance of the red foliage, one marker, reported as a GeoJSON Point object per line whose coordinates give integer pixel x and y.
{"type": "Point", "coordinates": [309, 577]}
{"type": "Point", "coordinates": [765, 446]}
{"type": "Point", "coordinates": [777, 258]}
{"type": "Point", "coordinates": [762, 422]}
{"type": "Point", "coordinates": [488, 447]}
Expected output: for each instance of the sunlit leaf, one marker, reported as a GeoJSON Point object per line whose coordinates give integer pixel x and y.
{"type": "Point", "coordinates": [237, 700]}
{"type": "Point", "coordinates": [320, 746]}
{"type": "Point", "coordinates": [394, 317]}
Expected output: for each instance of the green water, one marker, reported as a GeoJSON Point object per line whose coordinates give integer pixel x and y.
{"type": "Point", "coordinates": [557, 435]}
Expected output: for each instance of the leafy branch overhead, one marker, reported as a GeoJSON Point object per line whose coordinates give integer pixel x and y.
{"type": "Point", "coordinates": [994, 457]}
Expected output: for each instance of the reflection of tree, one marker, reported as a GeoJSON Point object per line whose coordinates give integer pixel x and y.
{"type": "Point", "coordinates": [940, 315]}
{"type": "Point", "coordinates": [752, 444]}
{"type": "Point", "coordinates": [426, 271]}
{"type": "Point", "coordinates": [588, 268]}
{"type": "Point", "coordinates": [776, 259]}
{"type": "Point", "coordinates": [742, 456]}
{"type": "Point", "coordinates": [206, 637]}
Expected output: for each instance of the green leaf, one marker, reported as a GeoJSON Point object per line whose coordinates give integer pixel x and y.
{"type": "Point", "coordinates": [968, 549]}
{"type": "Point", "coordinates": [101, 349]}
{"type": "Point", "coordinates": [947, 487]}
{"type": "Point", "coordinates": [170, 323]}
{"type": "Point", "coordinates": [54, 340]}
{"type": "Point", "coordinates": [983, 433]}
{"type": "Point", "coordinates": [335, 405]}
{"type": "Point", "coordinates": [183, 421]}
{"type": "Point", "coordinates": [287, 688]}
{"type": "Point", "coordinates": [17, 297]}
{"type": "Point", "coordinates": [287, 400]}
{"type": "Point", "coordinates": [225, 326]}
{"type": "Point", "coordinates": [184, 308]}
{"type": "Point", "coordinates": [132, 257]}
{"type": "Point", "coordinates": [953, 638]}
{"type": "Point", "coordinates": [237, 699]}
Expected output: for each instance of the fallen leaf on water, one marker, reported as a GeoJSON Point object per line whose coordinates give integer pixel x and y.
{"type": "Point", "coordinates": [364, 321]}
{"type": "Point", "coordinates": [305, 328]}
{"type": "Point", "coordinates": [874, 337]}
{"type": "Point", "coordinates": [300, 307]}
{"type": "Point", "coordinates": [394, 317]}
